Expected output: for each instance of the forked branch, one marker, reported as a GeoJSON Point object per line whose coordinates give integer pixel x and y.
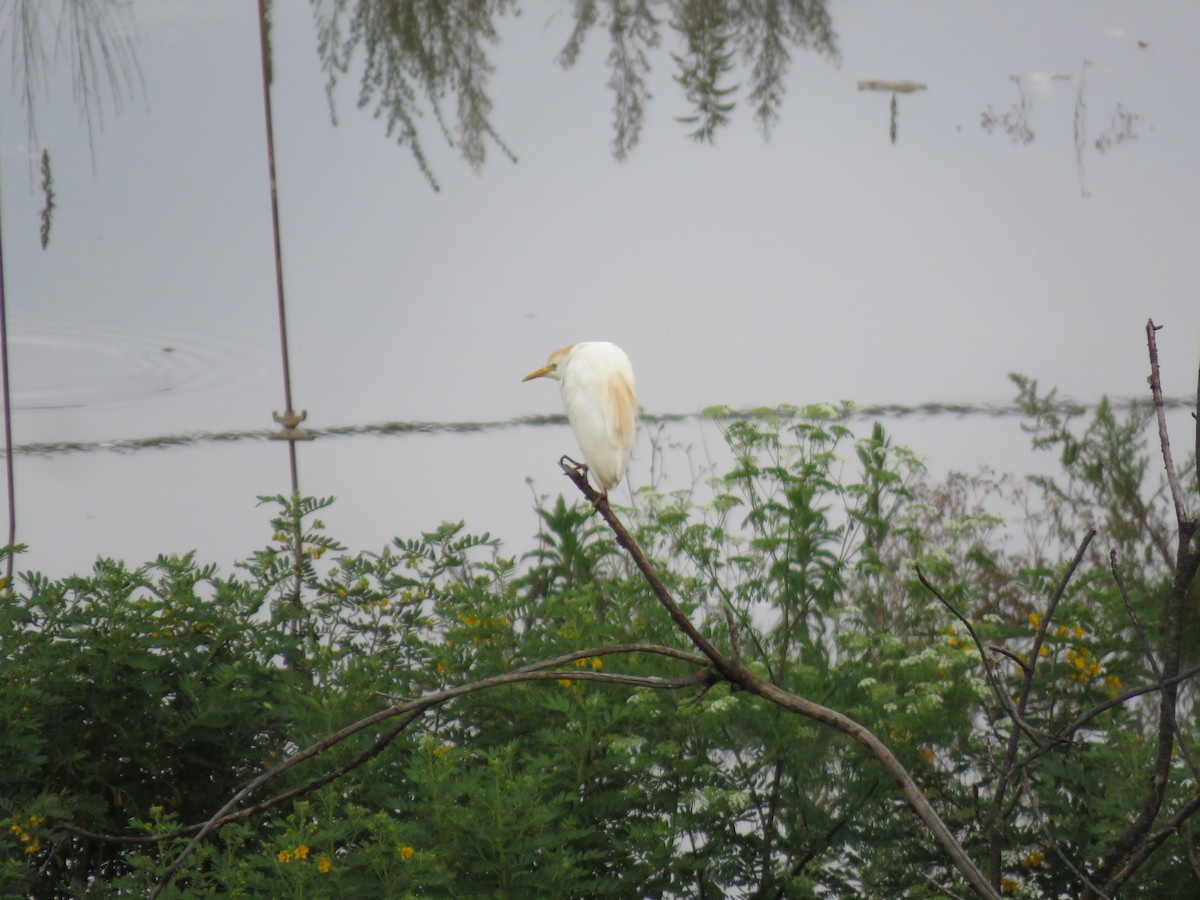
{"type": "Point", "coordinates": [411, 710]}
{"type": "Point", "coordinates": [732, 670]}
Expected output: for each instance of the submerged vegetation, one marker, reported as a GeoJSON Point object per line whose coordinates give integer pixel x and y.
{"type": "Point", "coordinates": [440, 718]}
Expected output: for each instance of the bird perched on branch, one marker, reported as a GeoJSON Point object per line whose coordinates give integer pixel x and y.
{"type": "Point", "coordinates": [597, 390]}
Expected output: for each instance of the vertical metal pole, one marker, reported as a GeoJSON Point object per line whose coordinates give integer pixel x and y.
{"type": "Point", "coordinates": [8, 445]}
{"type": "Point", "coordinates": [289, 419]}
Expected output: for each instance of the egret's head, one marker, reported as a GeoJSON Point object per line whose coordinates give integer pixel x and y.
{"type": "Point", "coordinates": [554, 365]}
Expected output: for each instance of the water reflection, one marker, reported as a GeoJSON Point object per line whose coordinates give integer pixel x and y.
{"type": "Point", "coordinates": [61, 363]}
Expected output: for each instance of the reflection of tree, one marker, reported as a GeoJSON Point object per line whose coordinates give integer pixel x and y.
{"type": "Point", "coordinates": [1015, 121]}
{"type": "Point", "coordinates": [96, 37]}
{"type": "Point", "coordinates": [715, 31]}
{"type": "Point", "coordinates": [1121, 128]}
{"type": "Point", "coordinates": [894, 88]}
{"type": "Point", "coordinates": [412, 51]}
{"type": "Point", "coordinates": [419, 56]}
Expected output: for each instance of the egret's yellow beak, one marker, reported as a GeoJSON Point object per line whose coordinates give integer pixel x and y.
{"type": "Point", "coordinates": [540, 373]}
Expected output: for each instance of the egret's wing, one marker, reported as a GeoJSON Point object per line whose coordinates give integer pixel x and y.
{"type": "Point", "coordinates": [622, 412]}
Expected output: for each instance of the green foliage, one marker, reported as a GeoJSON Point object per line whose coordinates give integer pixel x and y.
{"type": "Point", "coordinates": [138, 701]}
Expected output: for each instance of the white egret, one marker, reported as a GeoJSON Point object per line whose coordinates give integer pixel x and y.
{"type": "Point", "coordinates": [597, 390]}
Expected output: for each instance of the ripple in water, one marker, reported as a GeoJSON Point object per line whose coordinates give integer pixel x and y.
{"type": "Point", "coordinates": [79, 365]}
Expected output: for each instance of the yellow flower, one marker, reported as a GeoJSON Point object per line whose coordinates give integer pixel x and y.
{"type": "Point", "coordinates": [285, 856]}
{"type": "Point", "coordinates": [406, 853]}
{"type": "Point", "coordinates": [323, 863]}
{"type": "Point", "coordinates": [1043, 650]}
{"type": "Point", "coordinates": [14, 828]}
{"type": "Point", "coordinates": [302, 851]}
{"type": "Point", "coordinates": [1113, 684]}
{"type": "Point", "coordinates": [1078, 633]}
{"type": "Point", "coordinates": [1009, 885]}
{"type": "Point", "coordinates": [1033, 860]}
{"type": "Point", "coordinates": [597, 663]}
{"type": "Point", "coordinates": [34, 847]}
{"type": "Point", "coordinates": [1063, 631]}
{"type": "Point", "coordinates": [581, 662]}
{"type": "Point", "coordinates": [1035, 620]}
{"type": "Point", "coordinates": [565, 682]}
{"type": "Point", "coordinates": [928, 754]}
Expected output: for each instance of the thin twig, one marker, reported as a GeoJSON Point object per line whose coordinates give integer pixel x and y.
{"type": "Point", "coordinates": [1196, 416]}
{"type": "Point", "coordinates": [1035, 734]}
{"type": "Point", "coordinates": [1064, 734]}
{"type": "Point", "coordinates": [1156, 840]}
{"type": "Point", "coordinates": [1015, 657]}
{"type": "Point", "coordinates": [1189, 846]}
{"type": "Point", "coordinates": [1184, 749]}
{"type": "Point", "coordinates": [998, 812]}
{"type": "Point", "coordinates": [1044, 623]}
{"type": "Point", "coordinates": [534, 672]}
{"type": "Point", "coordinates": [734, 644]}
{"type": "Point", "coordinates": [250, 811]}
{"type": "Point", "coordinates": [1160, 411]}
{"type": "Point", "coordinates": [1049, 836]}
{"type": "Point", "coordinates": [1137, 626]}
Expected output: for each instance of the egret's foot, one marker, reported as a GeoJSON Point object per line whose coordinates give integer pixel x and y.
{"type": "Point", "coordinates": [580, 468]}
